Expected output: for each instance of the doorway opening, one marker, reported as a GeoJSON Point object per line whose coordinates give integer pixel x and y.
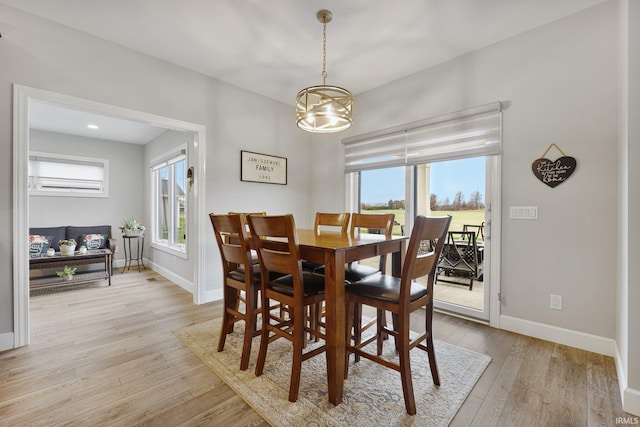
{"type": "Point", "coordinates": [24, 99]}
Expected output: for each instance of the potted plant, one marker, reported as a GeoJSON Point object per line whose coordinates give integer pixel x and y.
{"type": "Point", "coordinates": [132, 227]}
{"type": "Point", "coordinates": [67, 246]}
{"type": "Point", "coordinates": [67, 273]}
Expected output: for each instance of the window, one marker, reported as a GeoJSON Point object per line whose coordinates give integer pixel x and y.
{"type": "Point", "coordinates": [62, 175]}
{"type": "Point", "coordinates": [169, 227]}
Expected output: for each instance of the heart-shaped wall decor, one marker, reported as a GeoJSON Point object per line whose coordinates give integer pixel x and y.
{"type": "Point", "coordinates": [554, 173]}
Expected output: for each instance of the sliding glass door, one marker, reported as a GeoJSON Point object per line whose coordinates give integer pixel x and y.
{"type": "Point", "coordinates": [454, 187]}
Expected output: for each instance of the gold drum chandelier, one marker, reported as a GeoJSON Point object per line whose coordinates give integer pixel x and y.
{"type": "Point", "coordinates": [324, 109]}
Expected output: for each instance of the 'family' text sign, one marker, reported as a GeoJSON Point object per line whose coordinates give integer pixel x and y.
{"type": "Point", "coordinates": [256, 167]}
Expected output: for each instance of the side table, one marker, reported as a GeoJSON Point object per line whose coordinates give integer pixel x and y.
{"type": "Point", "coordinates": [129, 255]}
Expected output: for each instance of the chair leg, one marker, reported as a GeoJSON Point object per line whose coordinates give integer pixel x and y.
{"type": "Point", "coordinates": [396, 327]}
{"type": "Point", "coordinates": [230, 301]}
{"type": "Point", "coordinates": [223, 330]}
{"type": "Point", "coordinates": [349, 326]}
{"type": "Point", "coordinates": [431, 351]}
{"type": "Point", "coordinates": [249, 328]}
{"type": "Point", "coordinates": [299, 341]}
{"type": "Point", "coordinates": [264, 338]}
{"type": "Point", "coordinates": [405, 368]}
{"type": "Point", "coordinates": [380, 334]}
{"type": "Point", "coordinates": [357, 326]}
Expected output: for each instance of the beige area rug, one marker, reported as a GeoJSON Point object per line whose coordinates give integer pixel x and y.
{"type": "Point", "coordinates": [372, 393]}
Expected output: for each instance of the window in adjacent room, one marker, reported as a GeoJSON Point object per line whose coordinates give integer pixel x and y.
{"type": "Point", "coordinates": [61, 175]}
{"type": "Point", "coordinates": [169, 180]}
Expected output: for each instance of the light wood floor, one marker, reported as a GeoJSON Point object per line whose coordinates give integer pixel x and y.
{"type": "Point", "coordinates": [107, 356]}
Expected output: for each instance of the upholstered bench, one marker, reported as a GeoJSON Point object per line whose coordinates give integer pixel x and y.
{"type": "Point", "coordinates": [96, 239]}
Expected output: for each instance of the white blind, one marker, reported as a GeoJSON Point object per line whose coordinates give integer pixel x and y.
{"type": "Point", "coordinates": [468, 133]}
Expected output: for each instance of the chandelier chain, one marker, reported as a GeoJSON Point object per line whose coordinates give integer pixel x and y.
{"type": "Point", "coordinates": [324, 53]}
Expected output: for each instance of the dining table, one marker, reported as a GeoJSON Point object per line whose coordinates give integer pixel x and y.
{"type": "Point", "coordinates": [334, 250]}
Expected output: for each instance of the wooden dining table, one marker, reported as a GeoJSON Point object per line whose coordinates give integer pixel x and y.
{"type": "Point", "coordinates": [334, 250]}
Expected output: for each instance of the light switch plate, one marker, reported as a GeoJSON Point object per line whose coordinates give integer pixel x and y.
{"type": "Point", "coordinates": [523, 212]}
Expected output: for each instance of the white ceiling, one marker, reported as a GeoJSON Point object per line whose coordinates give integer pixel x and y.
{"type": "Point", "coordinates": [55, 118]}
{"type": "Point", "coordinates": [274, 47]}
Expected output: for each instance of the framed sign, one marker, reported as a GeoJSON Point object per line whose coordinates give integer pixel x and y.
{"type": "Point", "coordinates": [256, 167]}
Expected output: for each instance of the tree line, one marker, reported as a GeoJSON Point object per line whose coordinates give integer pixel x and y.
{"type": "Point", "coordinates": [459, 203]}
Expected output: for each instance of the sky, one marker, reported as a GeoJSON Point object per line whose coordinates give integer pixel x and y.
{"type": "Point", "coordinates": [447, 178]}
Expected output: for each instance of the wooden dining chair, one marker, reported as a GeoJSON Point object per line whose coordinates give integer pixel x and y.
{"type": "Point", "coordinates": [330, 222]}
{"type": "Point", "coordinates": [276, 240]}
{"type": "Point", "coordinates": [240, 276]}
{"type": "Point", "coordinates": [373, 224]}
{"type": "Point", "coordinates": [402, 296]}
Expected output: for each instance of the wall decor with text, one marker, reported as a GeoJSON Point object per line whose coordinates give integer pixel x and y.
{"type": "Point", "coordinates": [554, 172]}
{"type": "Point", "coordinates": [256, 167]}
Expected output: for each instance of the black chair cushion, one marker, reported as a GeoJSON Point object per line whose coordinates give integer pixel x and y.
{"type": "Point", "coordinates": [313, 284]}
{"type": "Point", "coordinates": [312, 266]}
{"type": "Point", "coordinates": [238, 273]}
{"type": "Point", "coordinates": [354, 272]}
{"type": "Point", "coordinates": [384, 288]}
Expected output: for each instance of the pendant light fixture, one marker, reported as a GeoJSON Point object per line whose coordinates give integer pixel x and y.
{"type": "Point", "coordinates": [324, 109]}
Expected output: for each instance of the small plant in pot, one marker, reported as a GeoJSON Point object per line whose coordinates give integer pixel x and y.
{"type": "Point", "coordinates": [66, 273]}
{"type": "Point", "coordinates": [132, 227]}
{"type": "Point", "coordinates": [67, 247]}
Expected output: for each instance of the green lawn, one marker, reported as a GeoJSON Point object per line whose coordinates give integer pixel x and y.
{"type": "Point", "coordinates": [459, 218]}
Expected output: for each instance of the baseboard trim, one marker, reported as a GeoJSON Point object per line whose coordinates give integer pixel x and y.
{"type": "Point", "coordinates": [593, 343]}
{"type": "Point", "coordinates": [631, 402]}
{"type": "Point", "coordinates": [7, 341]}
{"type": "Point", "coordinates": [178, 280]}
{"type": "Point", "coordinates": [213, 295]}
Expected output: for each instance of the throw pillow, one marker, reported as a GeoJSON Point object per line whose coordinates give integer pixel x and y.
{"type": "Point", "coordinates": [94, 241]}
{"type": "Point", "coordinates": [39, 244]}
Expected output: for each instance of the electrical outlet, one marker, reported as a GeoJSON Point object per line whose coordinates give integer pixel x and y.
{"type": "Point", "coordinates": [556, 302]}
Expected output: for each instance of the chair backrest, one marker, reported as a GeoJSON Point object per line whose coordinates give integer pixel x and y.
{"type": "Point", "coordinates": [244, 215]}
{"type": "Point", "coordinates": [460, 251]}
{"type": "Point", "coordinates": [425, 246]}
{"type": "Point", "coordinates": [232, 239]}
{"type": "Point", "coordinates": [276, 240]}
{"type": "Point", "coordinates": [340, 220]}
{"type": "Point", "coordinates": [479, 229]}
{"type": "Point", "coordinates": [374, 223]}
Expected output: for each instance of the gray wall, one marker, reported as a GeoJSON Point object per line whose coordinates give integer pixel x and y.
{"type": "Point", "coordinates": [44, 55]}
{"type": "Point", "coordinates": [559, 84]}
{"type": "Point", "coordinates": [125, 172]}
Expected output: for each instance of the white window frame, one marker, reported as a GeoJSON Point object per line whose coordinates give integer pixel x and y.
{"type": "Point", "coordinates": [169, 245]}
{"type": "Point", "coordinates": [68, 187]}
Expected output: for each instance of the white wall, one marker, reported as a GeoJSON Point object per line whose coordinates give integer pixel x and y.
{"type": "Point", "coordinates": [37, 53]}
{"type": "Point", "coordinates": [125, 172]}
{"type": "Point", "coordinates": [559, 84]}
{"type": "Point", "coordinates": [628, 289]}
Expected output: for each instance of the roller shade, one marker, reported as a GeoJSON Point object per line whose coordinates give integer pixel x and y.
{"type": "Point", "coordinates": [468, 133]}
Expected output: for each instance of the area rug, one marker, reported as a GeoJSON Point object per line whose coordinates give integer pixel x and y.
{"type": "Point", "coordinates": [372, 393]}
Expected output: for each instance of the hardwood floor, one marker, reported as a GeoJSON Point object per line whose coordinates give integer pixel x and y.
{"type": "Point", "coordinates": [107, 356]}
